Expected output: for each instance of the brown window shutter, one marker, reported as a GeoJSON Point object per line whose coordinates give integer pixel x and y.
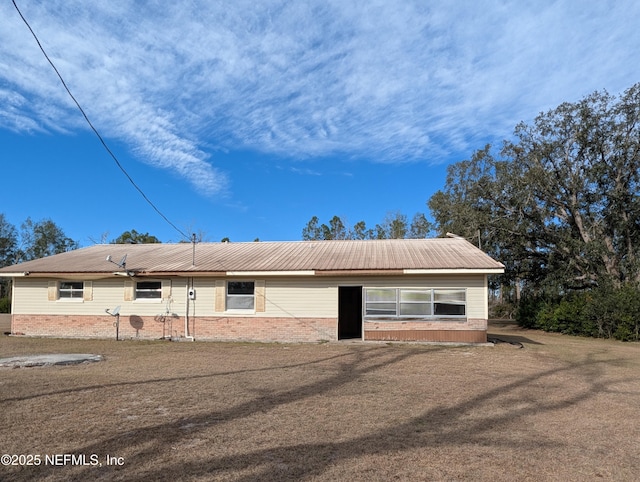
{"type": "Point", "coordinates": [259, 295]}
{"type": "Point", "coordinates": [166, 289]}
{"type": "Point", "coordinates": [52, 291]}
{"type": "Point", "coordinates": [221, 295]}
{"type": "Point", "coordinates": [128, 290]}
{"type": "Point", "coordinates": [87, 291]}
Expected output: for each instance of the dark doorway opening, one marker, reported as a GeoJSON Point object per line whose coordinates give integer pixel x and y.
{"type": "Point", "coordinates": [349, 312]}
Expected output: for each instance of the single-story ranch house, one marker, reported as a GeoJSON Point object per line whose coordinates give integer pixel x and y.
{"type": "Point", "coordinates": [396, 289]}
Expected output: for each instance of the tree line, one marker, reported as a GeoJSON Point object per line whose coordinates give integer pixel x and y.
{"type": "Point", "coordinates": [38, 239]}
{"type": "Point", "coordinates": [395, 225]}
{"type": "Point", "coordinates": [33, 240]}
{"type": "Point", "coordinates": [559, 205]}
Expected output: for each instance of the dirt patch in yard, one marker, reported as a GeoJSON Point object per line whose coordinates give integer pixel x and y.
{"type": "Point", "coordinates": [5, 323]}
{"type": "Point", "coordinates": [560, 408]}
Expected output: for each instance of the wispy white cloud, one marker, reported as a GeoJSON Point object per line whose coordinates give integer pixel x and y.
{"type": "Point", "coordinates": [305, 171]}
{"type": "Point", "coordinates": [378, 80]}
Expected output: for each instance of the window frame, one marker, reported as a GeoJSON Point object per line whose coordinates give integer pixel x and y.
{"type": "Point", "coordinates": [434, 312]}
{"type": "Point", "coordinates": [382, 303]}
{"type": "Point", "coordinates": [451, 302]}
{"type": "Point", "coordinates": [238, 296]}
{"type": "Point", "coordinates": [408, 302]}
{"type": "Point", "coordinates": [147, 299]}
{"type": "Point", "coordinates": [60, 289]}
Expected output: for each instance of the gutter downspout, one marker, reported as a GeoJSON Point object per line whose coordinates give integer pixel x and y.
{"type": "Point", "coordinates": [13, 305]}
{"type": "Point", "coordinates": [186, 313]}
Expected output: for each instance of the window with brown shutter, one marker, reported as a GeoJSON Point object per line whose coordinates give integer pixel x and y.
{"type": "Point", "coordinates": [87, 295]}
{"type": "Point", "coordinates": [128, 290]}
{"type": "Point", "coordinates": [220, 295]}
{"type": "Point", "coordinates": [260, 296]}
{"type": "Point", "coordinates": [52, 291]}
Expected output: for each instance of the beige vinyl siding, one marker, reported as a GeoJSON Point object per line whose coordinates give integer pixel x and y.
{"type": "Point", "coordinates": [274, 297]}
{"type": "Point", "coordinates": [287, 297]}
{"type": "Point", "coordinates": [166, 289]}
{"type": "Point", "coordinates": [32, 297]}
{"type": "Point", "coordinates": [318, 296]}
{"type": "Point", "coordinates": [204, 303]}
{"type": "Point", "coordinates": [301, 297]}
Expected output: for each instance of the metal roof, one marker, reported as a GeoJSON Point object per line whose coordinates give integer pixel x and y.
{"type": "Point", "coordinates": [304, 257]}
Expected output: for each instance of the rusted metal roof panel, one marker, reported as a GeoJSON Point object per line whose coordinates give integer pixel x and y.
{"type": "Point", "coordinates": [325, 256]}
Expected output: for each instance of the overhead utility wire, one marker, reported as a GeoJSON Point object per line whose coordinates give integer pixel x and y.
{"type": "Point", "coordinates": [94, 129]}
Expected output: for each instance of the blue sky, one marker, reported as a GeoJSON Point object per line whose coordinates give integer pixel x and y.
{"type": "Point", "coordinates": [244, 119]}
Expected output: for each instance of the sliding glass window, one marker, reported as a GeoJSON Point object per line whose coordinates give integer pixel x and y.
{"type": "Point", "coordinates": [405, 303]}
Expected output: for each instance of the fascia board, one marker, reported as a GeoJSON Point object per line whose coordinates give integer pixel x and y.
{"type": "Point", "coordinates": [456, 271]}
{"type": "Point", "coordinates": [271, 273]}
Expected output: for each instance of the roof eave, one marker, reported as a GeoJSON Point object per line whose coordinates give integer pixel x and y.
{"type": "Point", "coordinates": [335, 272]}
{"type": "Point", "coordinates": [359, 272]}
{"type": "Point", "coordinates": [455, 271]}
{"type": "Point", "coordinates": [15, 274]}
{"type": "Point", "coordinates": [61, 274]}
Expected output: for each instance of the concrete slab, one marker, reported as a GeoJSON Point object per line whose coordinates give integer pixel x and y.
{"type": "Point", "coordinates": [48, 360]}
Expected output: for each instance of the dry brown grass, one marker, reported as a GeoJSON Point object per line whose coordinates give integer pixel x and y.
{"type": "Point", "coordinates": [561, 408]}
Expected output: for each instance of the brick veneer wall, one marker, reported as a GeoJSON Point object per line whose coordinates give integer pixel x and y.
{"type": "Point", "coordinates": [266, 329]}
{"type": "Point", "coordinates": [472, 330]}
{"type": "Point", "coordinates": [241, 328]}
{"type": "Point", "coordinates": [87, 326]}
{"type": "Point", "coordinates": [201, 328]}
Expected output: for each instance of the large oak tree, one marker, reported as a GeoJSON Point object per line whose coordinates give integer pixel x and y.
{"type": "Point", "coordinates": [560, 203]}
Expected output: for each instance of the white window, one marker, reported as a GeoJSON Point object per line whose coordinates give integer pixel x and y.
{"type": "Point", "coordinates": [240, 295]}
{"type": "Point", "coordinates": [71, 290]}
{"type": "Point", "coordinates": [381, 302]}
{"type": "Point", "coordinates": [401, 303]}
{"type": "Point", "coordinates": [415, 303]}
{"type": "Point", "coordinates": [148, 290]}
{"type": "Point", "coordinates": [450, 302]}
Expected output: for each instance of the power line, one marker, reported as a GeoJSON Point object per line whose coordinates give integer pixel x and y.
{"type": "Point", "coordinates": [102, 141]}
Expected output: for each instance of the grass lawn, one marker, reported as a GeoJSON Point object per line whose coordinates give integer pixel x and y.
{"type": "Point", "coordinates": [561, 408]}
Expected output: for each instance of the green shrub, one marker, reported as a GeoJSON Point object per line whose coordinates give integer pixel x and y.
{"type": "Point", "coordinates": [5, 305]}
{"type": "Point", "coordinates": [605, 312]}
{"type": "Point", "coordinates": [528, 311]}
{"type": "Point", "coordinates": [569, 315]}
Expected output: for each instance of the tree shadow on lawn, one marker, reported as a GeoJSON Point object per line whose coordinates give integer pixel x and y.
{"type": "Point", "coordinates": [509, 331]}
{"type": "Point", "coordinates": [138, 383]}
{"type": "Point", "coordinates": [466, 422]}
{"type": "Point", "coordinates": [515, 340]}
